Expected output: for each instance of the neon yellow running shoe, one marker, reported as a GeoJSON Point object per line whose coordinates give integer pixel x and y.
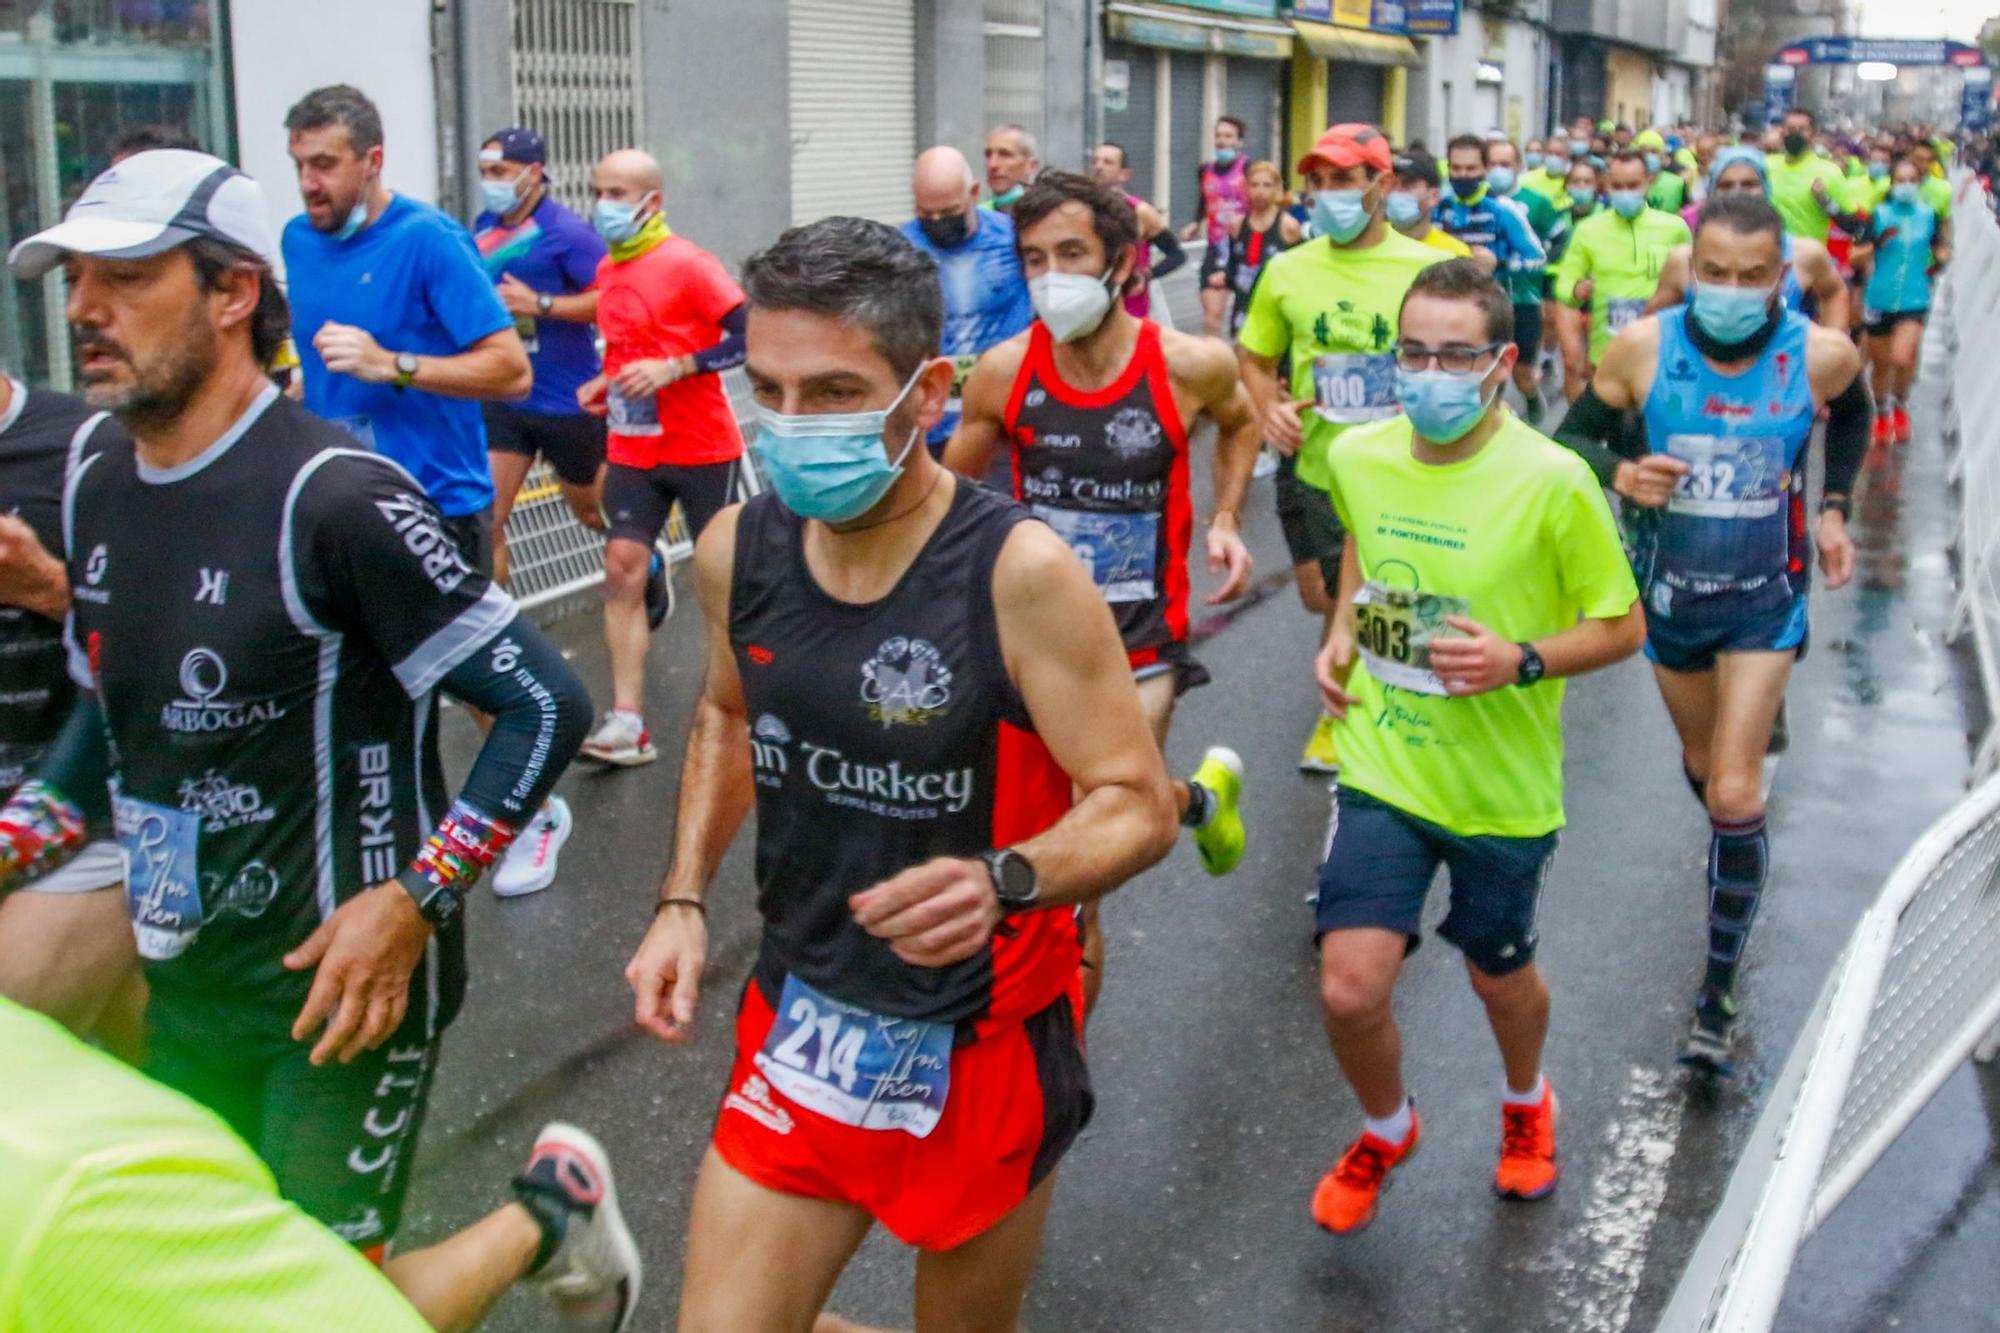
{"type": "Point", "coordinates": [1219, 839]}
{"type": "Point", "coordinates": [1320, 755]}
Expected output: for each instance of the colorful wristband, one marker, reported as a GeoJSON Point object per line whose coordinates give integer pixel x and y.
{"type": "Point", "coordinates": [39, 830]}
{"type": "Point", "coordinates": [464, 847]}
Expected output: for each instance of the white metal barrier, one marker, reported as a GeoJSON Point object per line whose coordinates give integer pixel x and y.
{"type": "Point", "coordinates": [1918, 986]}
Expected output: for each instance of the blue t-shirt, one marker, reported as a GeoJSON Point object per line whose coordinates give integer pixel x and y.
{"type": "Point", "coordinates": [555, 252]}
{"type": "Point", "coordinates": [414, 281]}
{"type": "Point", "coordinates": [985, 298]}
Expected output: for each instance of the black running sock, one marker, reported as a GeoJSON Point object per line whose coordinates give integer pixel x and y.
{"type": "Point", "coordinates": [1739, 859]}
{"type": "Point", "coordinates": [550, 1207]}
{"type": "Point", "coordinates": [1200, 805]}
{"type": "Point", "coordinates": [1696, 785]}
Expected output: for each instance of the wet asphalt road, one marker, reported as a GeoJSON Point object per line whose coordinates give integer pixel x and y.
{"type": "Point", "coordinates": [1185, 1205]}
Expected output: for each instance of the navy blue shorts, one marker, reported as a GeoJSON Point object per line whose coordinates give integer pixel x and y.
{"type": "Point", "coordinates": [1380, 863]}
{"type": "Point", "coordinates": [1682, 647]}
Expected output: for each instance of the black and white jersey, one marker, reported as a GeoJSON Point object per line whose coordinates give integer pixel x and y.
{"type": "Point", "coordinates": [266, 626]}
{"type": "Point", "coordinates": [42, 434]}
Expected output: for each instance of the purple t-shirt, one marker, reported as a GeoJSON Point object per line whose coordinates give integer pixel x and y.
{"type": "Point", "coordinates": [553, 251]}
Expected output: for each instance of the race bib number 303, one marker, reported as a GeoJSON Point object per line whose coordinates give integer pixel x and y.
{"type": "Point", "coordinates": [857, 1067]}
{"type": "Point", "coordinates": [163, 878]}
{"type": "Point", "coordinates": [1350, 387]}
{"type": "Point", "coordinates": [1394, 627]}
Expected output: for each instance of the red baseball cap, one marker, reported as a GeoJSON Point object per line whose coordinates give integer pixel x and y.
{"type": "Point", "coordinates": [1344, 146]}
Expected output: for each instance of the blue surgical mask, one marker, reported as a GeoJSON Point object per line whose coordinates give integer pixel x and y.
{"type": "Point", "coordinates": [1877, 170]}
{"type": "Point", "coordinates": [1009, 195]}
{"type": "Point", "coordinates": [1904, 192]}
{"type": "Point", "coordinates": [357, 218]}
{"type": "Point", "coordinates": [1628, 204]}
{"type": "Point", "coordinates": [1730, 314]}
{"type": "Point", "coordinates": [1403, 208]}
{"type": "Point", "coordinates": [1340, 214]}
{"type": "Point", "coordinates": [1224, 156]}
{"type": "Point", "coordinates": [1579, 150]}
{"type": "Point", "coordinates": [1532, 162]}
{"type": "Point", "coordinates": [1584, 199]}
{"type": "Point", "coordinates": [1443, 406]}
{"type": "Point", "coordinates": [1500, 180]}
{"type": "Point", "coordinates": [616, 221]}
{"type": "Point", "coordinates": [500, 197]}
{"type": "Point", "coordinates": [1652, 161]}
{"type": "Point", "coordinates": [832, 467]}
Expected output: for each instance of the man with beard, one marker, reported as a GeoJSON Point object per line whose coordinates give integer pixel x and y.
{"type": "Point", "coordinates": [263, 616]}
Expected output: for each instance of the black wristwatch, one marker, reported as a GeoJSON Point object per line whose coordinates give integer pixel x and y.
{"type": "Point", "coordinates": [545, 303]}
{"type": "Point", "coordinates": [1014, 880]}
{"type": "Point", "coordinates": [440, 906]}
{"type": "Point", "coordinates": [1533, 668]}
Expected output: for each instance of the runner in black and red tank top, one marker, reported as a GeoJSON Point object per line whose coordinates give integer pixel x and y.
{"type": "Point", "coordinates": [909, 678]}
{"type": "Point", "coordinates": [1096, 408]}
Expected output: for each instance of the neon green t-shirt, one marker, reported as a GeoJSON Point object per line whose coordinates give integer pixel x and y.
{"type": "Point", "coordinates": [127, 1206]}
{"type": "Point", "coordinates": [1519, 538]}
{"type": "Point", "coordinates": [1623, 261]}
{"type": "Point", "coordinates": [1669, 193]}
{"type": "Point", "coordinates": [1552, 186]}
{"type": "Point", "coordinates": [1335, 311]}
{"type": "Point", "coordinates": [1792, 194]}
{"type": "Point", "coordinates": [1935, 191]}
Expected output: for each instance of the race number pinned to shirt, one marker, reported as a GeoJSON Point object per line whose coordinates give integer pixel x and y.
{"type": "Point", "coordinates": [1729, 476]}
{"type": "Point", "coordinates": [163, 877]}
{"type": "Point", "coordinates": [632, 416]}
{"type": "Point", "coordinates": [1119, 550]}
{"type": "Point", "coordinates": [1625, 310]}
{"type": "Point", "coordinates": [857, 1067]}
{"type": "Point", "coordinates": [1350, 387]}
{"type": "Point", "coordinates": [1394, 627]}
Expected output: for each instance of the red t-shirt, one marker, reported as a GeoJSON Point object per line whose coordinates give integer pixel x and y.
{"type": "Point", "coordinates": [668, 302]}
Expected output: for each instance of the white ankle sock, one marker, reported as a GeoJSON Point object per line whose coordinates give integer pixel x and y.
{"type": "Point", "coordinates": [1392, 1128]}
{"type": "Point", "coordinates": [1532, 1097]}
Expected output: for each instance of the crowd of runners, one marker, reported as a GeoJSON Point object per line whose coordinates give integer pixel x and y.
{"type": "Point", "coordinates": [943, 647]}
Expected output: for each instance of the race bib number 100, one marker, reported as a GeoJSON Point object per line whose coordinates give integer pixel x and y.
{"type": "Point", "coordinates": [1349, 387]}
{"type": "Point", "coordinates": [1394, 627]}
{"type": "Point", "coordinates": [857, 1067]}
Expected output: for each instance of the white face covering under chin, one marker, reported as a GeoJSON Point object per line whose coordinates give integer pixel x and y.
{"type": "Point", "coordinates": [1071, 304]}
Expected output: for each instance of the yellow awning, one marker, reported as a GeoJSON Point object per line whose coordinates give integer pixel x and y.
{"type": "Point", "coordinates": [1357, 45]}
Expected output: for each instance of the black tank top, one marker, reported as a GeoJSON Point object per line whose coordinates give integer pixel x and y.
{"type": "Point", "coordinates": [883, 735]}
{"type": "Point", "coordinates": [1108, 470]}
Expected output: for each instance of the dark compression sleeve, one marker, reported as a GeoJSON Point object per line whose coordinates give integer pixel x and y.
{"type": "Point", "coordinates": [1171, 254]}
{"type": "Point", "coordinates": [1595, 430]}
{"type": "Point", "coordinates": [540, 713]}
{"type": "Point", "coordinates": [1848, 418]}
{"type": "Point", "coordinates": [731, 351]}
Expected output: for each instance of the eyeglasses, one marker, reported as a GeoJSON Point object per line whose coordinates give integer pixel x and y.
{"type": "Point", "coordinates": [1455, 358]}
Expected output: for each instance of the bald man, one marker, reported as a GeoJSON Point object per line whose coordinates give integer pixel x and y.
{"type": "Point", "coordinates": [1010, 165]}
{"type": "Point", "coordinates": [672, 320]}
{"type": "Point", "coordinates": [985, 297]}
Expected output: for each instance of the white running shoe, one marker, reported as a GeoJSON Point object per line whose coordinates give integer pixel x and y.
{"type": "Point", "coordinates": [621, 739]}
{"type": "Point", "coordinates": [530, 863]}
{"type": "Point", "coordinates": [593, 1276]}
{"type": "Point", "coordinates": [1267, 464]}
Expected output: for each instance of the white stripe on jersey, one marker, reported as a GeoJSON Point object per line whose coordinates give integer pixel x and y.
{"type": "Point", "coordinates": [436, 657]}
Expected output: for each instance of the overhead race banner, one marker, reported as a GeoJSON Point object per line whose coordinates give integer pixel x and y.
{"type": "Point", "coordinates": [1975, 109]}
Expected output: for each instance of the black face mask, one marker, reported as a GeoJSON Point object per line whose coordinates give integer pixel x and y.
{"type": "Point", "coordinates": [947, 233]}
{"type": "Point", "coordinates": [1796, 144]}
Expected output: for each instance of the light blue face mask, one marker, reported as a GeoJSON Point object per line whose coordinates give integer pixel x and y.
{"type": "Point", "coordinates": [1904, 192]}
{"type": "Point", "coordinates": [831, 466]}
{"type": "Point", "coordinates": [617, 222]}
{"type": "Point", "coordinates": [1532, 161]}
{"type": "Point", "coordinates": [1877, 170]}
{"type": "Point", "coordinates": [1340, 214]}
{"type": "Point", "coordinates": [1652, 162]}
{"type": "Point", "coordinates": [1402, 209]}
{"type": "Point", "coordinates": [357, 218]}
{"type": "Point", "coordinates": [1224, 156]}
{"type": "Point", "coordinates": [1583, 199]}
{"type": "Point", "coordinates": [1628, 204]}
{"type": "Point", "coordinates": [1730, 314]}
{"type": "Point", "coordinates": [500, 197]}
{"type": "Point", "coordinates": [1500, 180]}
{"type": "Point", "coordinates": [1443, 406]}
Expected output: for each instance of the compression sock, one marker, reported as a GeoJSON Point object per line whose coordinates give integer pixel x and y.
{"type": "Point", "coordinates": [1739, 858]}
{"type": "Point", "coordinates": [1201, 804]}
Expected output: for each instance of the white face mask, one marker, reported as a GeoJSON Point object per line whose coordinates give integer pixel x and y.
{"type": "Point", "coordinates": [1071, 304]}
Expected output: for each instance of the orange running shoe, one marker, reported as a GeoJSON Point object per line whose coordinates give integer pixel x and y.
{"type": "Point", "coordinates": [1884, 428]}
{"type": "Point", "coordinates": [1344, 1203]}
{"type": "Point", "coordinates": [1902, 426]}
{"type": "Point", "coordinates": [1527, 1167]}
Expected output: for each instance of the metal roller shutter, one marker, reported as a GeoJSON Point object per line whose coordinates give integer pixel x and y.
{"type": "Point", "coordinates": [1014, 62]}
{"type": "Point", "coordinates": [1252, 97]}
{"type": "Point", "coordinates": [1192, 142]}
{"type": "Point", "coordinates": [1353, 94]}
{"type": "Point", "coordinates": [853, 103]}
{"type": "Point", "coordinates": [1133, 126]}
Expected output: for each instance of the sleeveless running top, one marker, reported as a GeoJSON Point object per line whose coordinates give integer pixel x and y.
{"type": "Point", "coordinates": [881, 736]}
{"type": "Point", "coordinates": [1225, 197]}
{"type": "Point", "coordinates": [1731, 543]}
{"type": "Point", "coordinates": [1108, 470]}
{"type": "Point", "coordinates": [1247, 252]}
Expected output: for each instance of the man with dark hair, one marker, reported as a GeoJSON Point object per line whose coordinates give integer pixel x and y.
{"type": "Point", "coordinates": [1612, 264]}
{"type": "Point", "coordinates": [1222, 197]}
{"type": "Point", "coordinates": [1096, 413]}
{"type": "Point", "coordinates": [256, 727]}
{"type": "Point", "coordinates": [1807, 190]}
{"type": "Point", "coordinates": [1111, 165]}
{"type": "Point", "coordinates": [399, 331]}
{"type": "Point", "coordinates": [1412, 207]}
{"type": "Point", "coordinates": [1451, 719]}
{"type": "Point", "coordinates": [908, 677]}
{"type": "Point", "coordinates": [1716, 494]}
{"type": "Point", "coordinates": [146, 138]}
{"type": "Point", "coordinates": [1529, 284]}
{"type": "Point", "coordinates": [1480, 212]}
{"type": "Point", "coordinates": [1329, 305]}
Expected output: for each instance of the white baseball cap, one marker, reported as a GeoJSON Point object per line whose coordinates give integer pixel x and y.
{"type": "Point", "coordinates": [147, 205]}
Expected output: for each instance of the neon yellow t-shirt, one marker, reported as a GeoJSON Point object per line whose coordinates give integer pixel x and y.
{"type": "Point", "coordinates": [1792, 194]}
{"type": "Point", "coordinates": [1440, 239]}
{"type": "Point", "coordinates": [1519, 538]}
{"type": "Point", "coordinates": [1551, 186]}
{"type": "Point", "coordinates": [1622, 260]}
{"type": "Point", "coordinates": [1335, 311]}
{"type": "Point", "coordinates": [127, 1206]}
